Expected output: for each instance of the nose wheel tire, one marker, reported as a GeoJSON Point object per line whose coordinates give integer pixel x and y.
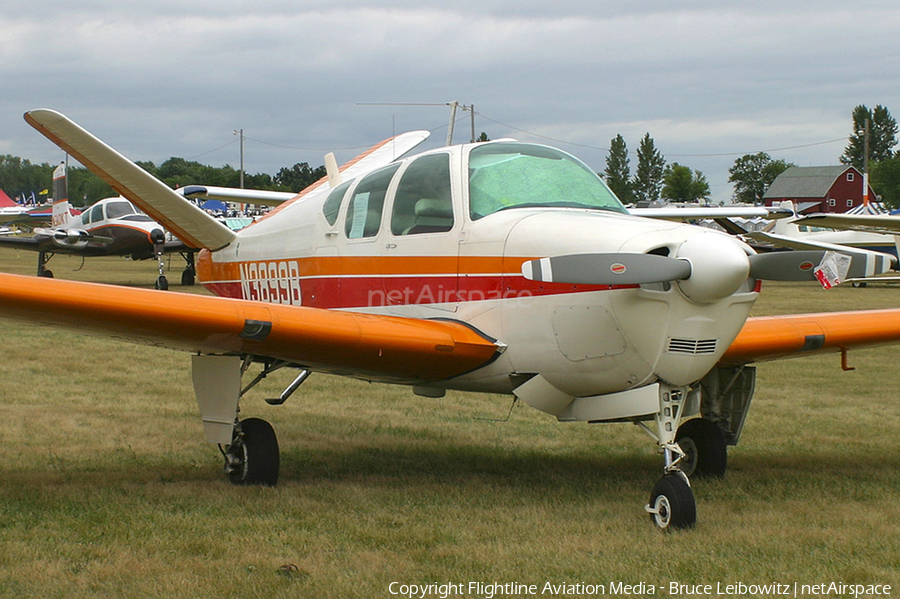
{"type": "Point", "coordinates": [672, 504]}
{"type": "Point", "coordinates": [253, 458]}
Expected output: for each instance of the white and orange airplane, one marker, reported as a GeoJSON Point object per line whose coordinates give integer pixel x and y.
{"type": "Point", "coordinates": [499, 267]}
{"type": "Point", "coordinates": [109, 227]}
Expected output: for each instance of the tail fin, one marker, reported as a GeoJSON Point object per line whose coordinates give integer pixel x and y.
{"type": "Point", "coordinates": [62, 210]}
{"type": "Point", "coordinates": [185, 220]}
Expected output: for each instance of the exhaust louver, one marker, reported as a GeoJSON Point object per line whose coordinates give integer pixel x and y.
{"type": "Point", "coordinates": [693, 347]}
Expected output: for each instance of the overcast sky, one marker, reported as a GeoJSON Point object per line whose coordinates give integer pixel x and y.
{"type": "Point", "coordinates": [710, 80]}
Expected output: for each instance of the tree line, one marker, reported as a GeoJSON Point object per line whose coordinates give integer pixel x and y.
{"type": "Point", "coordinates": [752, 174]}
{"type": "Point", "coordinates": [21, 178]}
{"type": "Point", "coordinates": [653, 178]}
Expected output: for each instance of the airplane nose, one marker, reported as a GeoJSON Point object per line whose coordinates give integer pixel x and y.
{"type": "Point", "coordinates": [719, 267]}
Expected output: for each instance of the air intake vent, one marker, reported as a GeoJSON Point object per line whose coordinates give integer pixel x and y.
{"type": "Point", "coordinates": [693, 347]}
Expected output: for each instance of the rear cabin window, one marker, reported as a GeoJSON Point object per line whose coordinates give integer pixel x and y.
{"type": "Point", "coordinates": [423, 202]}
{"type": "Point", "coordinates": [367, 202]}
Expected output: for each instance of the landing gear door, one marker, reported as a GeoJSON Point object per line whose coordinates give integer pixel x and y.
{"type": "Point", "coordinates": [422, 245]}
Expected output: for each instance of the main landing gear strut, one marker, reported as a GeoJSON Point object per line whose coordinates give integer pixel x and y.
{"type": "Point", "coordinates": [249, 446]}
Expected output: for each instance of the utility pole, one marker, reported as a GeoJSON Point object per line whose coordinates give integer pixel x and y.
{"type": "Point", "coordinates": [241, 133]}
{"type": "Point", "coordinates": [866, 164]}
{"type": "Point", "coordinates": [471, 109]}
{"type": "Point", "coordinates": [453, 108]}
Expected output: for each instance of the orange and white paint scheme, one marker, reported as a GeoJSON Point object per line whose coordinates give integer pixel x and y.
{"type": "Point", "coordinates": [500, 267]}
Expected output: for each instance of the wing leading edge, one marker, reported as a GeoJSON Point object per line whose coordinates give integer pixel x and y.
{"type": "Point", "coordinates": [766, 338]}
{"type": "Point", "coordinates": [385, 348]}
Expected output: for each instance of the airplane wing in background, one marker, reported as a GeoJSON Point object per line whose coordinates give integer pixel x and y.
{"type": "Point", "coordinates": [236, 195]}
{"type": "Point", "coordinates": [874, 223]}
{"type": "Point", "coordinates": [711, 212]}
{"type": "Point", "coordinates": [379, 155]}
{"type": "Point", "coordinates": [385, 348]}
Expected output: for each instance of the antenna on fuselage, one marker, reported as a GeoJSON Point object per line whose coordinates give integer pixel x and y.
{"type": "Point", "coordinates": [332, 170]}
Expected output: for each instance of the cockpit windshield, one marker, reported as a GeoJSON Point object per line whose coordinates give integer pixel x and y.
{"type": "Point", "coordinates": [119, 209]}
{"type": "Point", "coordinates": [506, 175]}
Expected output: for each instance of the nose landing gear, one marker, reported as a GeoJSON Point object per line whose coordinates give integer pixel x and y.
{"type": "Point", "coordinates": [672, 504]}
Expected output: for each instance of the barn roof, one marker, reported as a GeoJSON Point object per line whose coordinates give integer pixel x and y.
{"type": "Point", "coordinates": [805, 181]}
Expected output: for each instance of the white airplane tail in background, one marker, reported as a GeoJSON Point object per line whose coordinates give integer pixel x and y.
{"type": "Point", "coordinates": [62, 211]}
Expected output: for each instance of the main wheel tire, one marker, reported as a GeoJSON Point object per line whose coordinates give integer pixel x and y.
{"type": "Point", "coordinates": [255, 455]}
{"type": "Point", "coordinates": [705, 448]}
{"type": "Point", "coordinates": [672, 502]}
{"type": "Point", "coordinates": [162, 283]}
{"type": "Point", "coordinates": [187, 277]}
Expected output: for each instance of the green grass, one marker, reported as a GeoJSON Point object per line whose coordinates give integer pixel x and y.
{"type": "Point", "coordinates": [108, 488]}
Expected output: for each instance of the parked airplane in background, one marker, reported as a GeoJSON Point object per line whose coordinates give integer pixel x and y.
{"type": "Point", "coordinates": [830, 232]}
{"type": "Point", "coordinates": [498, 267]}
{"type": "Point", "coordinates": [110, 227]}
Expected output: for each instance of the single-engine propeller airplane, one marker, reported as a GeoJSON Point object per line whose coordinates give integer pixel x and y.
{"type": "Point", "coordinates": [110, 227]}
{"type": "Point", "coordinates": [500, 267]}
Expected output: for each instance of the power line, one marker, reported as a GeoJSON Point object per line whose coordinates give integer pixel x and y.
{"type": "Point", "coordinates": [797, 147]}
{"type": "Point", "coordinates": [508, 126]}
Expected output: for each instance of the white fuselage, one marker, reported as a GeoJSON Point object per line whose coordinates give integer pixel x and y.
{"type": "Point", "coordinates": [453, 263]}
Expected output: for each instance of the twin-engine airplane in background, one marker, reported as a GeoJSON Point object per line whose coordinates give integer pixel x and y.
{"type": "Point", "coordinates": [498, 267]}
{"type": "Point", "coordinates": [110, 227]}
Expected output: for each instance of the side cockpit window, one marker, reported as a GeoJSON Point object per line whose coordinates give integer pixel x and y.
{"type": "Point", "coordinates": [423, 202]}
{"type": "Point", "coordinates": [333, 202]}
{"type": "Point", "coordinates": [366, 204]}
{"type": "Point", "coordinates": [97, 213]}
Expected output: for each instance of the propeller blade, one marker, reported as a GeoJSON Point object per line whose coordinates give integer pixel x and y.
{"type": "Point", "coordinates": [785, 266]}
{"type": "Point", "coordinates": [799, 265]}
{"type": "Point", "coordinates": [606, 269]}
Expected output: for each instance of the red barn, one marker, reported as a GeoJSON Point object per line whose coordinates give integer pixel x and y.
{"type": "Point", "coordinates": [819, 188]}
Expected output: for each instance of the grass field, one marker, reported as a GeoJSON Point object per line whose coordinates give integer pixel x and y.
{"type": "Point", "coordinates": [108, 488]}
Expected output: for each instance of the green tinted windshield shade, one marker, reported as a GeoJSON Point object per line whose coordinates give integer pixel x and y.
{"type": "Point", "coordinates": [515, 175]}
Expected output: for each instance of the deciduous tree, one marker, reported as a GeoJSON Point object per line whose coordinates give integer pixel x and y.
{"type": "Point", "coordinates": [752, 174]}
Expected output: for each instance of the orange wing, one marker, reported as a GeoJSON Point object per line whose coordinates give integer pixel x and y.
{"type": "Point", "coordinates": [383, 348]}
{"type": "Point", "coordinates": [774, 337]}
